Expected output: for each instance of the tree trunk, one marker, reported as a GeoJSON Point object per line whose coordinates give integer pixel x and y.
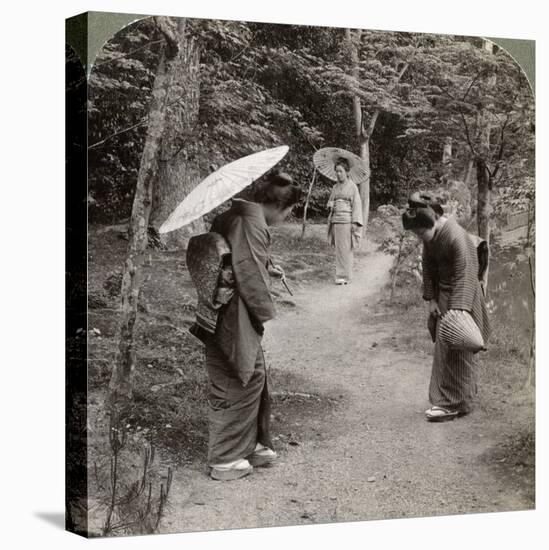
{"type": "Point", "coordinates": [446, 161]}
{"type": "Point", "coordinates": [468, 172]}
{"type": "Point", "coordinates": [364, 187]}
{"type": "Point", "coordinates": [484, 208]}
{"type": "Point", "coordinates": [363, 139]}
{"type": "Point", "coordinates": [483, 200]}
{"type": "Point", "coordinates": [178, 169]}
{"type": "Point", "coordinates": [305, 208]}
{"type": "Point", "coordinates": [120, 388]}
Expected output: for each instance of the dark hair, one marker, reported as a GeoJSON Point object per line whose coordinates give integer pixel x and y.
{"type": "Point", "coordinates": [344, 163]}
{"type": "Point", "coordinates": [278, 189]}
{"type": "Point", "coordinates": [424, 199]}
{"type": "Point", "coordinates": [419, 218]}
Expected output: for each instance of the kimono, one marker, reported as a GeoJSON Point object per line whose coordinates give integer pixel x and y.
{"type": "Point", "coordinates": [451, 276]}
{"type": "Point", "coordinates": [344, 225]}
{"type": "Point", "coordinates": [239, 404]}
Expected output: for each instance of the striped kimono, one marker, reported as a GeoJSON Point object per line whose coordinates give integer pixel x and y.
{"type": "Point", "coordinates": [450, 275]}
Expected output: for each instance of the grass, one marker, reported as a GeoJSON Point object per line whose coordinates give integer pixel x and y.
{"type": "Point", "coordinates": [169, 406]}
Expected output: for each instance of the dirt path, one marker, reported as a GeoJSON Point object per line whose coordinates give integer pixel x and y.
{"type": "Point", "coordinates": [372, 456]}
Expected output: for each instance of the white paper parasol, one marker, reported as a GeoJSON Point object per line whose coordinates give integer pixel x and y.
{"type": "Point", "coordinates": [221, 186]}
{"type": "Point", "coordinates": [325, 159]}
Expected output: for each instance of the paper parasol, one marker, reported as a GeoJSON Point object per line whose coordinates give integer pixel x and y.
{"type": "Point", "coordinates": [325, 159]}
{"type": "Point", "coordinates": [221, 186]}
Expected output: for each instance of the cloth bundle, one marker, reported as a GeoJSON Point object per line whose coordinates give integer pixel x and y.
{"type": "Point", "coordinates": [209, 264]}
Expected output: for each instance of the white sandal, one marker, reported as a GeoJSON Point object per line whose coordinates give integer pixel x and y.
{"type": "Point", "coordinates": [262, 456]}
{"type": "Point", "coordinates": [440, 414]}
{"type": "Point", "coordinates": [231, 470]}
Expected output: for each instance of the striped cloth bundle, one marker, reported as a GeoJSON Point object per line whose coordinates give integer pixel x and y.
{"type": "Point", "coordinates": [459, 331]}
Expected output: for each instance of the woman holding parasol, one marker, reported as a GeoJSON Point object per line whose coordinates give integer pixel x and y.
{"type": "Point", "coordinates": [345, 206]}
{"type": "Point", "coordinates": [450, 283]}
{"type": "Point", "coordinates": [239, 398]}
{"type": "Point", "coordinates": [235, 303]}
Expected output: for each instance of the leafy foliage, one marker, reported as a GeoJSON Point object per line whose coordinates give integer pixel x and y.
{"type": "Point", "coordinates": [403, 245]}
{"type": "Point", "coordinates": [265, 85]}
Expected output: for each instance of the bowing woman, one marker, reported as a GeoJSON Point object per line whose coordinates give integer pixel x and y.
{"type": "Point", "coordinates": [239, 404]}
{"type": "Point", "coordinates": [450, 282]}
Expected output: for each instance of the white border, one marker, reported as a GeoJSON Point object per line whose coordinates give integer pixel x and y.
{"type": "Point", "coordinates": [32, 297]}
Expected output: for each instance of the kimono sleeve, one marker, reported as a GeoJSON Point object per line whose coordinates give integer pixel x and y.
{"type": "Point", "coordinates": [465, 271]}
{"type": "Point", "coordinates": [356, 216]}
{"type": "Point", "coordinates": [428, 267]}
{"type": "Point", "coordinates": [250, 244]}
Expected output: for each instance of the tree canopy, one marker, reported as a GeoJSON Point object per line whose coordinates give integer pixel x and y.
{"type": "Point", "coordinates": [262, 85]}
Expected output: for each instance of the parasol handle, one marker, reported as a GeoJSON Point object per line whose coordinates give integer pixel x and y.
{"type": "Point", "coordinates": [283, 279]}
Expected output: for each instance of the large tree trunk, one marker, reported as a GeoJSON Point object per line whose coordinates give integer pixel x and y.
{"type": "Point", "coordinates": [120, 388]}
{"type": "Point", "coordinates": [178, 170]}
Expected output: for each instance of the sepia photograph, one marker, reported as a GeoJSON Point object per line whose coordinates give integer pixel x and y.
{"type": "Point", "coordinates": [301, 275]}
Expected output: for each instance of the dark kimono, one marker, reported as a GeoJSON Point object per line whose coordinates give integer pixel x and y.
{"type": "Point", "coordinates": [238, 397]}
{"type": "Point", "coordinates": [450, 275]}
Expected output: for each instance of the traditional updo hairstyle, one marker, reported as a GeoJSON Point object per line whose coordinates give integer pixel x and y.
{"type": "Point", "coordinates": [423, 199]}
{"type": "Point", "coordinates": [344, 163]}
{"type": "Point", "coordinates": [423, 211]}
{"type": "Point", "coordinates": [279, 190]}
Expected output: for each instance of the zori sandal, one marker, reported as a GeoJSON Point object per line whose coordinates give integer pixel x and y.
{"type": "Point", "coordinates": [231, 470]}
{"type": "Point", "coordinates": [440, 414]}
{"type": "Point", "coordinates": [262, 456]}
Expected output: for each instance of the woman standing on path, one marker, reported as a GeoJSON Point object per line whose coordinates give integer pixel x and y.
{"type": "Point", "coordinates": [450, 282]}
{"type": "Point", "coordinates": [344, 221]}
{"type": "Point", "coordinates": [239, 405]}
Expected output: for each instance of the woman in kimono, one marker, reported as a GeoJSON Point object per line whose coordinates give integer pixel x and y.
{"type": "Point", "coordinates": [344, 221]}
{"type": "Point", "coordinates": [239, 406]}
{"type": "Point", "coordinates": [450, 281]}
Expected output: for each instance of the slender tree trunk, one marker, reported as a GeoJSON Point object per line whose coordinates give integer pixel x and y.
{"type": "Point", "coordinates": [469, 171]}
{"type": "Point", "coordinates": [364, 188]}
{"type": "Point", "coordinates": [484, 198]}
{"type": "Point", "coordinates": [307, 200]}
{"type": "Point", "coordinates": [446, 161]}
{"type": "Point", "coordinates": [362, 138]}
{"type": "Point", "coordinates": [484, 208]}
{"type": "Point", "coordinates": [120, 388]}
{"type": "Point", "coordinates": [178, 170]}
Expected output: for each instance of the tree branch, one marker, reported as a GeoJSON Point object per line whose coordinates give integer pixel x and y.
{"type": "Point", "coordinates": [467, 134]}
{"type": "Point", "coordinates": [139, 123]}
{"type": "Point", "coordinates": [471, 85]}
{"type": "Point", "coordinates": [98, 143]}
{"type": "Point", "coordinates": [501, 145]}
{"type": "Point", "coordinates": [446, 92]}
{"type": "Point", "coordinates": [128, 54]}
{"type": "Point", "coordinates": [246, 47]}
{"type": "Point", "coordinates": [371, 127]}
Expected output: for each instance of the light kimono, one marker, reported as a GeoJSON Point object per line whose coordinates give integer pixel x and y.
{"type": "Point", "coordinates": [345, 225]}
